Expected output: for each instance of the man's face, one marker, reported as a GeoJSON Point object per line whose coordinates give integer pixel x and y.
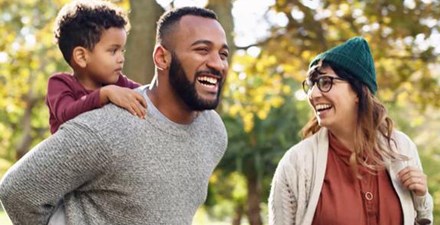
{"type": "Point", "coordinates": [199, 62]}
{"type": "Point", "coordinates": [186, 88]}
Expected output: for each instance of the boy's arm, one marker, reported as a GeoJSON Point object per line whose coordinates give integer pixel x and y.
{"type": "Point", "coordinates": [126, 98]}
{"type": "Point", "coordinates": [62, 102]}
{"type": "Point", "coordinates": [124, 81]}
{"type": "Point", "coordinates": [60, 164]}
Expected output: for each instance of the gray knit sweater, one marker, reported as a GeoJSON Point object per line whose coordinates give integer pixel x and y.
{"type": "Point", "coordinates": [113, 168]}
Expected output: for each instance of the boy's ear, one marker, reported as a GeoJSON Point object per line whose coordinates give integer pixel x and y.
{"type": "Point", "coordinates": [161, 57]}
{"type": "Point", "coordinates": [79, 56]}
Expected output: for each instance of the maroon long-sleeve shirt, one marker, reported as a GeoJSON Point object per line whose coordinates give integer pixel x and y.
{"type": "Point", "coordinates": [67, 98]}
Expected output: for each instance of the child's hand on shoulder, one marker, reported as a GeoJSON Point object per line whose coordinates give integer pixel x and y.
{"type": "Point", "coordinates": [125, 98]}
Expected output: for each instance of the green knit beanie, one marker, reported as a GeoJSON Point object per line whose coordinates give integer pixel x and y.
{"type": "Point", "coordinates": [353, 56]}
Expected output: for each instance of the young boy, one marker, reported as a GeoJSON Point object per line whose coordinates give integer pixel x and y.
{"type": "Point", "coordinates": [91, 35]}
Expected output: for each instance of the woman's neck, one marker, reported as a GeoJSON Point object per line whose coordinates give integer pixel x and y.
{"type": "Point", "coordinates": [345, 136]}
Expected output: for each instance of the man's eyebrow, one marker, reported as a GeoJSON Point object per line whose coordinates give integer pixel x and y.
{"type": "Point", "coordinates": [206, 42]}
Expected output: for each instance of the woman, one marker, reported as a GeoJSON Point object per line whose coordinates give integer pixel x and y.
{"type": "Point", "coordinates": [352, 167]}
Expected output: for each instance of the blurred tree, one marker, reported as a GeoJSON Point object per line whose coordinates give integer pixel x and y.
{"type": "Point", "coordinates": [223, 9]}
{"type": "Point", "coordinates": [27, 57]}
{"type": "Point", "coordinates": [139, 64]}
{"type": "Point", "coordinates": [255, 153]}
{"type": "Point", "coordinates": [402, 35]}
{"type": "Point", "coordinates": [262, 101]}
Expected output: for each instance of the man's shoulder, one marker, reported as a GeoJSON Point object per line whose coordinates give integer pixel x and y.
{"type": "Point", "coordinates": [109, 116]}
{"type": "Point", "coordinates": [213, 119]}
{"type": "Point", "coordinates": [141, 89]}
{"type": "Point", "coordinates": [212, 114]}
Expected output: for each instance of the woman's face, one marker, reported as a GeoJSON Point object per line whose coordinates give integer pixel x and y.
{"type": "Point", "coordinates": [335, 103]}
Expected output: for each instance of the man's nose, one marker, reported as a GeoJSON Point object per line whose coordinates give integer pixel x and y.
{"type": "Point", "coordinates": [216, 62]}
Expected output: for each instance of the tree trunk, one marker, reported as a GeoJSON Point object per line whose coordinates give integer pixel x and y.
{"type": "Point", "coordinates": [254, 191]}
{"type": "Point", "coordinates": [25, 141]}
{"type": "Point", "coordinates": [223, 9]}
{"type": "Point", "coordinates": [139, 64]}
{"type": "Point", "coordinates": [238, 214]}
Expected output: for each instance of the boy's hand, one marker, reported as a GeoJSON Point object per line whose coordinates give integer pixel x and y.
{"type": "Point", "coordinates": [125, 98]}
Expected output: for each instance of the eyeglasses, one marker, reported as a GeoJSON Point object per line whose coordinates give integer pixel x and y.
{"type": "Point", "coordinates": [324, 83]}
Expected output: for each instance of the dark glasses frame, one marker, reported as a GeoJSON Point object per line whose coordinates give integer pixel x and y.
{"type": "Point", "coordinates": [324, 83]}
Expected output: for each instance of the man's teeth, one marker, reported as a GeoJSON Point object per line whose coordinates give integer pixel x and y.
{"type": "Point", "coordinates": [209, 80]}
{"type": "Point", "coordinates": [322, 107]}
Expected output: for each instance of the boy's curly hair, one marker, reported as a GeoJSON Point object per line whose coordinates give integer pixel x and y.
{"type": "Point", "coordinates": [81, 23]}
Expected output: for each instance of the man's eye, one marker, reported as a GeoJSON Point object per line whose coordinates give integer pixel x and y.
{"type": "Point", "coordinates": [202, 50]}
{"type": "Point", "coordinates": [224, 55]}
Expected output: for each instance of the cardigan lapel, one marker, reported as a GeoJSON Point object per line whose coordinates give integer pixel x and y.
{"type": "Point", "coordinates": [320, 153]}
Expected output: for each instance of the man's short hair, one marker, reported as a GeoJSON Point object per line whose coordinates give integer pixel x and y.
{"type": "Point", "coordinates": [166, 22]}
{"type": "Point", "coordinates": [81, 23]}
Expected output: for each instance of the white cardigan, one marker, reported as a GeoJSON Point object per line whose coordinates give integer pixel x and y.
{"type": "Point", "coordinates": [298, 179]}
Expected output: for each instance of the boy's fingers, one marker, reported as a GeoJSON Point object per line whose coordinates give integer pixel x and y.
{"type": "Point", "coordinates": [141, 110]}
{"type": "Point", "coordinates": [132, 111]}
{"type": "Point", "coordinates": [141, 100]}
{"type": "Point", "coordinates": [136, 109]}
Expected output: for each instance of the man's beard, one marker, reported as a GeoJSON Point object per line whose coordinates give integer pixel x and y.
{"type": "Point", "coordinates": [186, 90]}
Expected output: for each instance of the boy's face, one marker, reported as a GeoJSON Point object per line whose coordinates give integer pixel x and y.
{"type": "Point", "coordinates": [105, 61]}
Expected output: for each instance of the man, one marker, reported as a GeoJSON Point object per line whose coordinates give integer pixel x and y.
{"type": "Point", "coordinates": [109, 167]}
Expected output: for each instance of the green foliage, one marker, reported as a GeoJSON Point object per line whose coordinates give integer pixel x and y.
{"type": "Point", "coordinates": [260, 88]}
{"type": "Point", "coordinates": [225, 192]}
{"type": "Point", "coordinates": [262, 119]}
{"type": "Point", "coordinates": [261, 104]}
{"type": "Point", "coordinates": [401, 36]}
{"type": "Point", "coordinates": [29, 56]}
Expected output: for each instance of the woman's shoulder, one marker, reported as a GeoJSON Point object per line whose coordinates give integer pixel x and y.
{"type": "Point", "coordinates": [401, 137]}
{"type": "Point", "coordinates": [403, 142]}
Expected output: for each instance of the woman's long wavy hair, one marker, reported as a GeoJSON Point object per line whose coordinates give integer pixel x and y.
{"type": "Point", "coordinates": [373, 124]}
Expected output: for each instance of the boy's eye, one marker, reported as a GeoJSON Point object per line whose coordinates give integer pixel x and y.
{"type": "Point", "coordinates": [113, 50]}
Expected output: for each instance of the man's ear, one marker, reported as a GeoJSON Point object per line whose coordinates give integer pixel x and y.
{"type": "Point", "coordinates": [161, 57]}
{"type": "Point", "coordinates": [79, 56]}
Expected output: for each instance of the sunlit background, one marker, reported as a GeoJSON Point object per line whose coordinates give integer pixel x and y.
{"type": "Point", "coordinates": [263, 104]}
